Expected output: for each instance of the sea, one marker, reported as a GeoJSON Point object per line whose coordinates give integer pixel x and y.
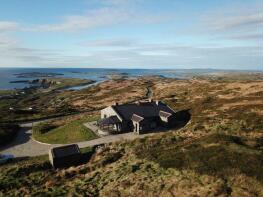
{"type": "Point", "coordinates": [8, 75]}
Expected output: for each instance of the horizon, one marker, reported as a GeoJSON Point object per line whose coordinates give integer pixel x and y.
{"type": "Point", "coordinates": [122, 34]}
{"type": "Point", "coordinates": [115, 68]}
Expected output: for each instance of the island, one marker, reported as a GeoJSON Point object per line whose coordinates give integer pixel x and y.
{"type": "Point", "coordinates": [37, 74]}
{"type": "Point", "coordinates": [54, 83]}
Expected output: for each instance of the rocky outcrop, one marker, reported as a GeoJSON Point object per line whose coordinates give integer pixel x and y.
{"type": "Point", "coordinates": [46, 83]}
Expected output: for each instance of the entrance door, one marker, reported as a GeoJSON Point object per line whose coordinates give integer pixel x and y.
{"type": "Point", "coordinates": [135, 127]}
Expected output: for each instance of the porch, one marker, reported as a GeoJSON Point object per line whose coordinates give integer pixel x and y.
{"type": "Point", "coordinates": [111, 124]}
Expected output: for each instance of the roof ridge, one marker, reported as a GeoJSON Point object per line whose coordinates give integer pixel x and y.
{"type": "Point", "coordinates": [138, 115]}
{"type": "Point", "coordinates": [116, 111]}
{"type": "Point", "coordinates": [165, 112]}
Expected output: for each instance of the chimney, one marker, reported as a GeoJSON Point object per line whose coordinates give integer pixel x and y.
{"type": "Point", "coordinates": [157, 102]}
{"type": "Point", "coordinates": [116, 103]}
{"type": "Point", "coordinates": [150, 100]}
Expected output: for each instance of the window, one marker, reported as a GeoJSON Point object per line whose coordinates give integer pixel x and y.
{"type": "Point", "coordinates": [164, 119]}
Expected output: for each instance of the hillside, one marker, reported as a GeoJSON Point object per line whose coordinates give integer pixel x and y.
{"type": "Point", "coordinates": [218, 153]}
{"type": "Point", "coordinates": [165, 165]}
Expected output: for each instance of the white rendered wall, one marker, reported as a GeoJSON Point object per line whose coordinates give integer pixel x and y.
{"type": "Point", "coordinates": [108, 111]}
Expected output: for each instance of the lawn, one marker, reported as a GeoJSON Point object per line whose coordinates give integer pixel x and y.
{"type": "Point", "coordinates": [71, 132]}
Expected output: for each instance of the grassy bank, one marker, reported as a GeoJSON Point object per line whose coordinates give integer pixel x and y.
{"type": "Point", "coordinates": [33, 171]}
{"type": "Point", "coordinates": [71, 132]}
{"type": "Point", "coordinates": [164, 165]}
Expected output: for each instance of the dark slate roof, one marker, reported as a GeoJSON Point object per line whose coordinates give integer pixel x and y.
{"type": "Point", "coordinates": [64, 151]}
{"type": "Point", "coordinates": [136, 118]}
{"type": "Point", "coordinates": [145, 110]}
{"type": "Point", "coordinates": [109, 120]}
{"type": "Point", "coordinates": [164, 114]}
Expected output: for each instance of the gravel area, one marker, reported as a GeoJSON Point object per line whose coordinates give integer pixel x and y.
{"type": "Point", "coordinates": [23, 145]}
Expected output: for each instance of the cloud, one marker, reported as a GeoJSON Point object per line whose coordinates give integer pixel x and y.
{"type": "Point", "coordinates": [234, 16]}
{"type": "Point", "coordinates": [13, 54]}
{"type": "Point", "coordinates": [132, 53]}
{"type": "Point", "coordinates": [141, 55]}
{"type": "Point", "coordinates": [109, 43]}
{"type": "Point", "coordinates": [101, 17]}
{"type": "Point", "coordinates": [248, 37]}
{"type": "Point", "coordinates": [237, 22]}
{"type": "Point", "coordinates": [126, 52]}
{"type": "Point", "coordinates": [8, 26]}
{"type": "Point", "coordinates": [7, 41]}
{"type": "Point", "coordinates": [171, 55]}
{"type": "Point", "coordinates": [111, 12]}
{"type": "Point", "coordinates": [119, 2]}
{"type": "Point", "coordinates": [95, 18]}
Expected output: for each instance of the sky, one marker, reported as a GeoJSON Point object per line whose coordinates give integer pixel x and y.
{"type": "Point", "coordinates": [167, 34]}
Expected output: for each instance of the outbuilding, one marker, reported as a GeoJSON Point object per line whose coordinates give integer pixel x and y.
{"type": "Point", "coordinates": [65, 156]}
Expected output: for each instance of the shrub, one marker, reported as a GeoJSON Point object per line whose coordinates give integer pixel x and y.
{"type": "Point", "coordinates": [198, 127]}
{"type": "Point", "coordinates": [220, 127]}
{"type": "Point", "coordinates": [8, 132]}
{"type": "Point", "coordinates": [208, 99]}
{"type": "Point", "coordinates": [42, 128]}
{"type": "Point", "coordinates": [135, 167]}
{"type": "Point", "coordinates": [111, 157]}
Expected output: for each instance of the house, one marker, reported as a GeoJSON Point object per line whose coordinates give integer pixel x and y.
{"type": "Point", "coordinates": [138, 117]}
{"type": "Point", "coordinates": [65, 156]}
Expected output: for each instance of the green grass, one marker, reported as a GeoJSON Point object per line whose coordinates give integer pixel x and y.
{"type": "Point", "coordinates": [69, 82]}
{"type": "Point", "coordinates": [7, 92]}
{"type": "Point", "coordinates": [71, 132]}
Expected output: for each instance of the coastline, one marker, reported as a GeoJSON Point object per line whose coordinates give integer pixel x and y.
{"type": "Point", "coordinates": [10, 79]}
{"type": "Point", "coordinates": [52, 84]}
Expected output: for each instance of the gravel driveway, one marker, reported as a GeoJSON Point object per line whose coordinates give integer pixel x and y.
{"type": "Point", "coordinates": [23, 145]}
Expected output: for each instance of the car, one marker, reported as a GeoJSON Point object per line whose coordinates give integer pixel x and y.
{"type": "Point", "coordinates": [5, 158]}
